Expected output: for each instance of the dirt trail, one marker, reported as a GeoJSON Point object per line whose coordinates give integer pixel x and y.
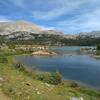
{"type": "Point", "coordinates": [3, 96]}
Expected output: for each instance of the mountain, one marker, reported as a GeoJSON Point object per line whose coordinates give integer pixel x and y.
{"type": "Point", "coordinates": [10, 27]}
{"type": "Point", "coordinates": [52, 32]}
{"type": "Point", "coordinates": [93, 34]}
{"type": "Point", "coordinates": [7, 28]}
{"type": "Point", "coordinates": [23, 32]}
{"type": "Point", "coordinates": [24, 27]}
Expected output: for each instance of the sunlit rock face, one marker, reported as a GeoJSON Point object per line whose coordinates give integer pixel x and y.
{"type": "Point", "coordinates": [10, 27]}
{"type": "Point", "coordinates": [93, 34]}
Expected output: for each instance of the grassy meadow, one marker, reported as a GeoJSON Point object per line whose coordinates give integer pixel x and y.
{"type": "Point", "coordinates": [24, 85]}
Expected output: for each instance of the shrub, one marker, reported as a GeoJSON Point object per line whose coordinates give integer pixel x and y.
{"type": "Point", "coordinates": [74, 85]}
{"type": "Point", "coordinates": [50, 78]}
{"type": "Point", "coordinates": [19, 66]}
{"type": "Point", "coordinates": [98, 47]}
{"type": "Point", "coordinates": [97, 52]}
{"type": "Point", "coordinates": [3, 60]}
{"type": "Point", "coordinates": [55, 78]}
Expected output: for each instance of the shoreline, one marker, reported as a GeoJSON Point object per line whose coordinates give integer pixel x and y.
{"type": "Point", "coordinates": [81, 84]}
{"type": "Point", "coordinates": [97, 56]}
{"type": "Point", "coordinates": [20, 81]}
{"type": "Point", "coordinates": [44, 52]}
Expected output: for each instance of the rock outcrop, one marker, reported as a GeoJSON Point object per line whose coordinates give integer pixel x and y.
{"type": "Point", "coordinates": [40, 52]}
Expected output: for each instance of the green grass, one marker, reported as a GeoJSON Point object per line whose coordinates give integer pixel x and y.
{"type": "Point", "coordinates": [20, 85]}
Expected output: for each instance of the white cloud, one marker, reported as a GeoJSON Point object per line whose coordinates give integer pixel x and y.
{"type": "Point", "coordinates": [89, 21]}
{"type": "Point", "coordinates": [4, 19]}
{"type": "Point", "coordinates": [47, 28]}
{"type": "Point", "coordinates": [80, 15]}
{"type": "Point", "coordinates": [65, 6]}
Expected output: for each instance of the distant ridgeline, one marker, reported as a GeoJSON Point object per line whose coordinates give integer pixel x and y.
{"type": "Point", "coordinates": [22, 32]}
{"type": "Point", "coordinates": [28, 38]}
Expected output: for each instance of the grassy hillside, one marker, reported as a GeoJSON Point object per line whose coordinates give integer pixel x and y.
{"type": "Point", "coordinates": [20, 85]}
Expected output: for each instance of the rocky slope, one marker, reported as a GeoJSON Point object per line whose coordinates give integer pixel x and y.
{"type": "Point", "coordinates": [93, 34]}
{"type": "Point", "coordinates": [23, 32]}
{"type": "Point", "coordinates": [10, 27]}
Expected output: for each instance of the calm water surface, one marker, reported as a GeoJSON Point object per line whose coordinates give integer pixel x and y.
{"type": "Point", "coordinates": [71, 63]}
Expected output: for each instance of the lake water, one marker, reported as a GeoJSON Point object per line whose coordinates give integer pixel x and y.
{"type": "Point", "coordinates": [72, 64]}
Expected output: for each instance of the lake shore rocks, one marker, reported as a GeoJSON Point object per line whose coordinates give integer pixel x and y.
{"type": "Point", "coordinates": [44, 52]}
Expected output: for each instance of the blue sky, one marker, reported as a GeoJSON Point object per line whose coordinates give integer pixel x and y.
{"type": "Point", "coordinates": [68, 16]}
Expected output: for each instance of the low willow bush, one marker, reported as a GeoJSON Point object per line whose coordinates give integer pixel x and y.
{"type": "Point", "coordinates": [19, 66]}
{"type": "Point", "coordinates": [98, 52]}
{"type": "Point", "coordinates": [98, 47]}
{"type": "Point", "coordinates": [50, 78]}
{"type": "Point", "coordinates": [74, 85]}
{"type": "Point", "coordinates": [3, 60]}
